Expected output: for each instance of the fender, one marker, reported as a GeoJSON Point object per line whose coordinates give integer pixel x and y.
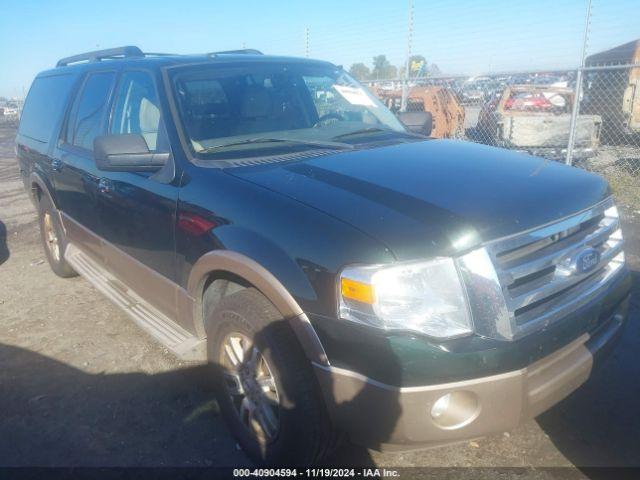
{"type": "Point", "coordinates": [254, 273]}
{"type": "Point", "coordinates": [36, 178]}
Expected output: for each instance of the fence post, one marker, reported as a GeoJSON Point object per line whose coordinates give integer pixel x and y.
{"type": "Point", "coordinates": [576, 100]}
{"type": "Point", "coordinates": [407, 67]}
{"type": "Point", "coordinates": [306, 42]}
{"type": "Point", "coordinates": [575, 111]}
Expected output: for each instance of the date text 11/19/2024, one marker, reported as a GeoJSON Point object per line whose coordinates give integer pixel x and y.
{"type": "Point", "coordinates": [316, 472]}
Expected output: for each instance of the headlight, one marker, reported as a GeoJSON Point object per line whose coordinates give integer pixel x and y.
{"type": "Point", "coordinates": [424, 297]}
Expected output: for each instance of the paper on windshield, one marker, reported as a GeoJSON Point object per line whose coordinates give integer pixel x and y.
{"type": "Point", "coordinates": [355, 95]}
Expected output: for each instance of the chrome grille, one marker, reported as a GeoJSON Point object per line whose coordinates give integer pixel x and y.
{"type": "Point", "coordinates": [538, 275]}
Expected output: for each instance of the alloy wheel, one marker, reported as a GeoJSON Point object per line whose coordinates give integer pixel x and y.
{"type": "Point", "coordinates": [51, 238]}
{"type": "Point", "coordinates": [250, 384]}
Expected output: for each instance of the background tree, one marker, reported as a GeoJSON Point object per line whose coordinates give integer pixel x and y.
{"type": "Point", "coordinates": [360, 71]}
{"type": "Point", "coordinates": [382, 68]}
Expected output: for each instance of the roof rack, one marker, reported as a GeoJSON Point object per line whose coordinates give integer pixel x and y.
{"type": "Point", "coordinates": [135, 52]}
{"type": "Point", "coordinates": [96, 56]}
{"type": "Point", "coordinates": [243, 51]}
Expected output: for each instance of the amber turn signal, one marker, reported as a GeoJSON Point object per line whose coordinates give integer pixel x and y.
{"type": "Point", "coordinates": [358, 291]}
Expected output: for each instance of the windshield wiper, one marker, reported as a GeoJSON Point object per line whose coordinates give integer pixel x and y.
{"type": "Point", "coordinates": [362, 130]}
{"type": "Point", "coordinates": [313, 143]}
{"type": "Point", "coordinates": [376, 130]}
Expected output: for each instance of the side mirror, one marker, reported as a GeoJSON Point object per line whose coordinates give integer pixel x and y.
{"type": "Point", "coordinates": [126, 153]}
{"type": "Point", "coordinates": [417, 122]}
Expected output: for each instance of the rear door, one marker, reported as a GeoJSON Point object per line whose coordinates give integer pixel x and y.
{"type": "Point", "coordinates": [77, 177]}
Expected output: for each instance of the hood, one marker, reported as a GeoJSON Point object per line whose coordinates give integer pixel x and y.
{"type": "Point", "coordinates": [435, 197]}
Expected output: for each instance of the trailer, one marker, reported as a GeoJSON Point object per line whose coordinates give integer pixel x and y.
{"type": "Point", "coordinates": [537, 119]}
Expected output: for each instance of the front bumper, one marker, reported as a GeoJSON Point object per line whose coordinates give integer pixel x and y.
{"type": "Point", "coordinates": [399, 418]}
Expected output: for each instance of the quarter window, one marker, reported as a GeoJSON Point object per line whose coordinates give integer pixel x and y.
{"type": "Point", "coordinates": [45, 103]}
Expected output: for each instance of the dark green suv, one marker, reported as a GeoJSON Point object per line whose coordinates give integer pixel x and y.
{"type": "Point", "coordinates": [339, 273]}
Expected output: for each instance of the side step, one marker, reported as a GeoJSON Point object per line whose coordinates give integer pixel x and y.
{"type": "Point", "coordinates": [183, 344]}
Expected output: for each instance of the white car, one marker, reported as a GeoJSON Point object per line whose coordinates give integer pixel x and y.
{"type": "Point", "coordinates": [9, 111]}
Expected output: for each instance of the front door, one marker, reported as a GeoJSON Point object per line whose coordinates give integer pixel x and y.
{"type": "Point", "coordinates": [137, 210]}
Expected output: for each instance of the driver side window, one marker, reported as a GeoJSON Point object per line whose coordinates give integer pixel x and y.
{"type": "Point", "coordinates": [137, 111]}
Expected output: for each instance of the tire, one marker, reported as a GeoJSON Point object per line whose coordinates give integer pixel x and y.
{"type": "Point", "coordinates": [53, 240]}
{"type": "Point", "coordinates": [303, 432]}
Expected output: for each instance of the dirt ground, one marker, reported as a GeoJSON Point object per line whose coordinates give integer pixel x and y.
{"type": "Point", "coordinates": [80, 385]}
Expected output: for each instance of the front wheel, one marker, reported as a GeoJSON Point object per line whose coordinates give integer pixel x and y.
{"type": "Point", "coordinates": [265, 386]}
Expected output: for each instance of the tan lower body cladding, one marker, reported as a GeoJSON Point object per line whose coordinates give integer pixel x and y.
{"type": "Point", "coordinates": [170, 313]}
{"type": "Point", "coordinates": [390, 418]}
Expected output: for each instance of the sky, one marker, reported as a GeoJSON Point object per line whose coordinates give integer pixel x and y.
{"type": "Point", "coordinates": [462, 36]}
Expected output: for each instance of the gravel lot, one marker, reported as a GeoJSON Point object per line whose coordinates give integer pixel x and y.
{"type": "Point", "coordinates": [80, 385]}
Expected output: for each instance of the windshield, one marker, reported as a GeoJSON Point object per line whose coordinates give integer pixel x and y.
{"type": "Point", "coordinates": [229, 110]}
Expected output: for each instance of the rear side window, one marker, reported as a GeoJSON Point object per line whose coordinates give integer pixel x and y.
{"type": "Point", "coordinates": [88, 113]}
{"type": "Point", "coordinates": [44, 106]}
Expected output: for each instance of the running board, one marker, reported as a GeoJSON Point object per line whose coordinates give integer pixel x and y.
{"type": "Point", "coordinates": [183, 344]}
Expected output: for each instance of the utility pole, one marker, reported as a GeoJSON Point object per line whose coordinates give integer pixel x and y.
{"type": "Point", "coordinates": [306, 42]}
{"type": "Point", "coordinates": [576, 99]}
{"type": "Point", "coordinates": [407, 68]}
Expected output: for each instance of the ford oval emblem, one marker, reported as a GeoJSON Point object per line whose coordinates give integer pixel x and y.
{"type": "Point", "coordinates": [587, 260]}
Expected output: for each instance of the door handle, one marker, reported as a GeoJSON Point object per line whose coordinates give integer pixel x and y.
{"type": "Point", "coordinates": [56, 164]}
{"type": "Point", "coordinates": [104, 185]}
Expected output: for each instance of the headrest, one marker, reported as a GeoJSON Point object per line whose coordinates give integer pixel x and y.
{"type": "Point", "coordinates": [256, 102]}
{"type": "Point", "coordinates": [149, 116]}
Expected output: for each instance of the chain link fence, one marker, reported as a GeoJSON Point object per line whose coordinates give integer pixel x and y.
{"type": "Point", "coordinates": [587, 117]}
{"type": "Point", "coordinates": [612, 92]}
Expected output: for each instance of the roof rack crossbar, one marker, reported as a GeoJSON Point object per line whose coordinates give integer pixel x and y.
{"type": "Point", "coordinates": [243, 51]}
{"type": "Point", "coordinates": [96, 56]}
